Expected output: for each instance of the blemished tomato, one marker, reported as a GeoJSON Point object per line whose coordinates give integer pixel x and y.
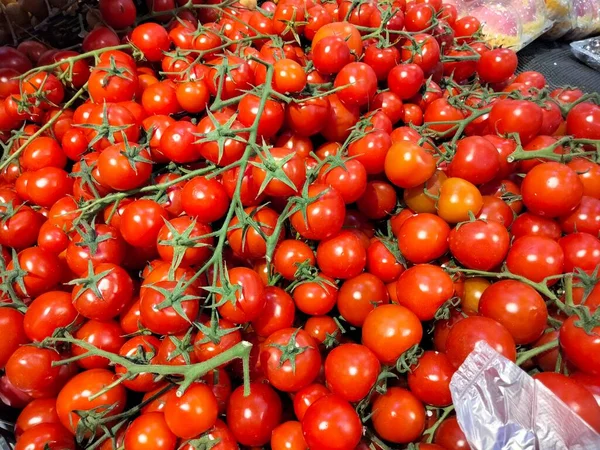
{"type": "Point", "coordinates": [331, 423]}
{"type": "Point", "coordinates": [390, 330]}
{"type": "Point", "coordinates": [75, 396]}
{"type": "Point", "coordinates": [423, 289]}
{"type": "Point", "coordinates": [398, 416]}
{"type": "Point", "coordinates": [518, 307]}
{"type": "Point", "coordinates": [253, 418]}
{"type": "Point", "coordinates": [466, 333]}
{"type": "Point", "coordinates": [290, 359]}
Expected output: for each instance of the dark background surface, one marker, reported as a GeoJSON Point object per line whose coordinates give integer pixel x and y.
{"type": "Point", "coordinates": [556, 61]}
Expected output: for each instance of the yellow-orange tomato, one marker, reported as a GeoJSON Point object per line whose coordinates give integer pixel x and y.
{"type": "Point", "coordinates": [472, 290]}
{"type": "Point", "coordinates": [421, 202]}
{"type": "Point", "coordinates": [346, 31]}
{"type": "Point", "coordinates": [458, 197]}
{"type": "Point", "coordinates": [408, 165]}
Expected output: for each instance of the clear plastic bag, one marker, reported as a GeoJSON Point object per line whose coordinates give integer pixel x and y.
{"type": "Point", "coordinates": [501, 26]}
{"type": "Point", "coordinates": [588, 51]}
{"type": "Point", "coordinates": [500, 407]}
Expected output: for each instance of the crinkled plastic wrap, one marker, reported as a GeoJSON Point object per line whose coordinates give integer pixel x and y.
{"type": "Point", "coordinates": [588, 51]}
{"type": "Point", "coordinates": [500, 407]}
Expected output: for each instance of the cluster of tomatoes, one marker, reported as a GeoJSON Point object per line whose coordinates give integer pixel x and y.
{"type": "Point", "coordinates": [286, 227]}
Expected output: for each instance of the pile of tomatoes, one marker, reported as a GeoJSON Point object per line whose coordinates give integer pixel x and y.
{"type": "Point", "coordinates": [286, 226]}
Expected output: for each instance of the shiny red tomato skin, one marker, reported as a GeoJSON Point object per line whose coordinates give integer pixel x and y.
{"type": "Point", "coordinates": [551, 190]}
{"type": "Point", "coordinates": [467, 332]}
{"type": "Point", "coordinates": [429, 381]}
{"type": "Point", "coordinates": [580, 347]}
{"type": "Point", "coordinates": [75, 396]}
{"type": "Point", "coordinates": [252, 418]}
{"type": "Point", "coordinates": [288, 377]}
{"type": "Point", "coordinates": [480, 245]}
{"type": "Point", "coordinates": [518, 307]}
{"type": "Point", "coordinates": [48, 312]}
{"type": "Point", "coordinates": [12, 328]}
{"type": "Point", "coordinates": [535, 258]}
{"type": "Point", "coordinates": [341, 256]}
{"type": "Point", "coordinates": [351, 370]}
{"type": "Point", "coordinates": [331, 423]}
{"type": "Point", "coordinates": [398, 416]}
{"type": "Point", "coordinates": [423, 289]}
{"type": "Point", "coordinates": [390, 330]}
{"type": "Point", "coordinates": [578, 398]}
{"type": "Point", "coordinates": [150, 431]}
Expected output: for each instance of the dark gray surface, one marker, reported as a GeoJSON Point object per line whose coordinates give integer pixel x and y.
{"type": "Point", "coordinates": [557, 63]}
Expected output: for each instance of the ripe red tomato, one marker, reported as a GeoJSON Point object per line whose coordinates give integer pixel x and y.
{"type": "Point", "coordinates": [357, 82]}
{"type": "Point", "coordinates": [578, 346]}
{"type": "Point", "coordinates": [506, 116]}
{"type": "Point", "coordinates": [150, 431]}
{"type": "Point", "coordinates": [536, 258]}
{"type": "Point", "coordinates": [152, 39]}
{"type": "Point", "coordinates": [577, 397]}
{"type": "Point", "coordinates": [106, 335]}
{"type": "Point", "coordinates": [324, 216]}
{"type": "Point", "coordinates": [398, 416]}
{"type": "Point", "coordinates": [480, 245]}
{"type": "Point", "coordinates": [331, 423]}
{"type": "Point", "coordinates": [351, 370]}
{"type": "Point", "coordinates": [498, 65]}
{"type": "Point", "coordinates": [167, 308]}
{"type": "Point", "coordinates": [253, 418]}
{"type": "Point", "coordinates": [48, 312]}
{"type": "Point", "coordinates": [316, 297]}
{"type": "Point", "coordinates": [466, 333]}
{"type": "Point", "coordinates": [390, 330]}
{"type": "Point", "coordinates": [429, 379]}
{"type": "Point", "coordinates": [358, 296]}
{"type": "Point", "coordinates": [192, 413]}
{"type": "Point", "coordinates": [551, 189]}
{"type": "Point", "coordinates": [518, 307]}
{"type": "Point", "coordinates": [242, 295]}
{"type": "Point", "coordinates": [423, 238]}
{"type": "Point", "coordinates": [342, 255]}
{"type": "Point", "coordinates": [75, 396]}
{"type": "Point", "coordinates": [204, 198]}
{"type": "Point", "coordinates": [290, 359]}
{"type": "Point", "coordinates": [423, 289]}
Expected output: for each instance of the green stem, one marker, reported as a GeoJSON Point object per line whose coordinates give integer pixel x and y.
{"type": "Point", "coordinates": [526, 356]}
{"type": "Point", "coordinates": [430, 432]}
